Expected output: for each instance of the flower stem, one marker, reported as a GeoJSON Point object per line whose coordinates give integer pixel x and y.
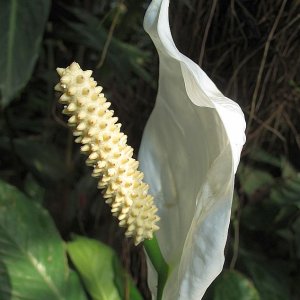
{"type": "Point", "coordinates": [159, 263]}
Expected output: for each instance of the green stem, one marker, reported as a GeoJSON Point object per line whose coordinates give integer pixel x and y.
{"type": "Point", "coordinates": [159, 263]}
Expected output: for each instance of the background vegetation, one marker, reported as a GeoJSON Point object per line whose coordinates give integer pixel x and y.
{"type": "Point", "coordinates": [251, 51]}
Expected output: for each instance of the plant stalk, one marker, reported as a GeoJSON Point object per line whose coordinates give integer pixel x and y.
{"type": "Point", "coordinates": [159, 263]}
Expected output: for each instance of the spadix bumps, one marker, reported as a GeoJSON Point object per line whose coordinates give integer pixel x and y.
{"type": "Point", "coordinates": [99, 133]}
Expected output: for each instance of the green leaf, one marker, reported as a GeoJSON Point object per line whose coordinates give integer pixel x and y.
{"type": "Point", "coordinates": [45, 161]}
{"type": "Point", "coordinates": [101, 270]}
{"type": "Point", "coordinates": [89, 31]}
{"type": "Point", "coordinates": [232, 285]}
{"type": "Point", "coordinates": [287, 192]}
{"type": "Point", "coordinates": [33, 189]}
{"type": "Point", "coordinates": [288, 171]}
{"type": "Point", "coordinates": [271, 277]}
{"type": "Point", "coordinates": [22, 24]}
{"type": "Point", "coordinates": [94, 262]}
{"type": "Point", "coordinates": [33, 263]}
{"type": "Point", "coordinates": [260, 155]}
{"type": "Point", "coordinates": [254, 179]}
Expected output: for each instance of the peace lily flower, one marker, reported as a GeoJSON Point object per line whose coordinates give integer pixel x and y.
{"type": "Point", "coordinates": [189, 154]}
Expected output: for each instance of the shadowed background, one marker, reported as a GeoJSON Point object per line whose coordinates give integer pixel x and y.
{"type": "Point", "coordinates": [250, 49]}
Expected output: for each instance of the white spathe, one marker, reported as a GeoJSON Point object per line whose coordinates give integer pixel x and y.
{"type": "Point", "coordinates": [189, 154]}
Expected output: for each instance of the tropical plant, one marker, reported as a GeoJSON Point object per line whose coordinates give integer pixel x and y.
{"type": "Point", "coordinates": [57, 237]}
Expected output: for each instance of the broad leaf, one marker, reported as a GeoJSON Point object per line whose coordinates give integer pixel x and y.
{"type": "Point", "coordinates": [22, 24]}
{"type": "Point", "coordinates": [101, 271]}
{"type": "Point", "coordinates": [272, 277]}
{"type": "Point", "coordinates": [90, 32]}
{"type": "Point", "coordinates": [43, 160]}
{"type": "Point", "coordinates": [33, 264]}
{"type": "Point", "coordinates": [232, 285]}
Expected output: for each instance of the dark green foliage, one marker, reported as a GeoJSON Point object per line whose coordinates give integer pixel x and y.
{"type": "Point", "coordinates": [33, 263]}
{"type": "Point", "coordinates": [269, 227]}
{"type": "Point", "coordinates": [37, 153]}
{"type": "Point", "coordinates": [22, 24]}
{"type": "Point", "coordinates": [234, 286]}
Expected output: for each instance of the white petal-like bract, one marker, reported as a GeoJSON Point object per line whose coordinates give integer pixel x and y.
{"type": "Point", "coordinates": [189, 154]}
